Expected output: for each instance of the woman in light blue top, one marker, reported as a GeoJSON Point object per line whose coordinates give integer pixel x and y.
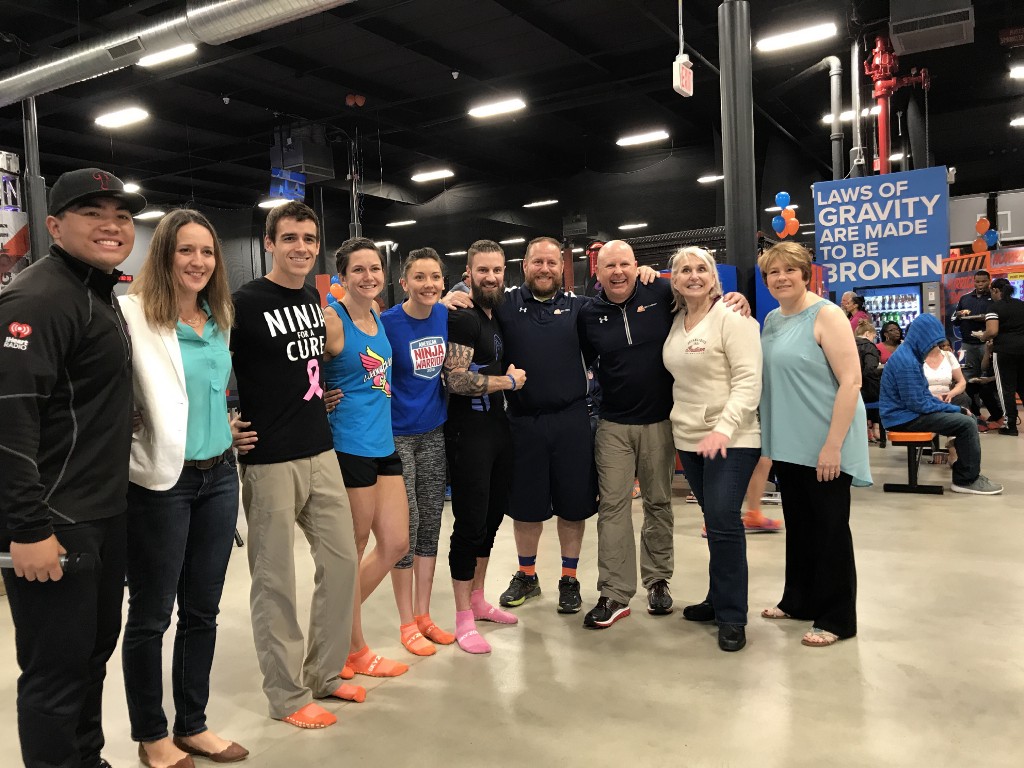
{"type": "Point", "coordinates": [183, 495]}
{"type": "Point", "coordinates": [814, 428]}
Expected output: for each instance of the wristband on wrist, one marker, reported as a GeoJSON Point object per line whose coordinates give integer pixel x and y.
{"type": "Point", "coordinates": [512, 379]}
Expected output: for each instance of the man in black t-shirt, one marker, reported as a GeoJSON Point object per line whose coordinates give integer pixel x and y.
{"type": "Point", "coordinates": [290, 475]}
{"type": "Point", "coordinates": [478, 440]}
{"type": "Point", "coordinates": [1005, 324]}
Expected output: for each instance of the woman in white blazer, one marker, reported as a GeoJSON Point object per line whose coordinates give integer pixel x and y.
{"type": "Point", "coordinates": [714, 355]}
{"type": "Point", "coordinates": [183, 495]}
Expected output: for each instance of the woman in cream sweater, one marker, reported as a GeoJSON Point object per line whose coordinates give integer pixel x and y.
{"type": "Point", "coordinates": [714, 355]}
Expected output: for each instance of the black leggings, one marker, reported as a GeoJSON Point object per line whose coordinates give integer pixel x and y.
{"type": "Point", "coordinates": [1009, 369]}
{"type": "Point", "coordinates": [480, 461]}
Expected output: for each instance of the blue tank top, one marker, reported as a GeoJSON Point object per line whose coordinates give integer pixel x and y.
{"type": "Point", "coordinates": [361, 423]}
{"type": "Point", "coordinates": [418, 402]}
{"type": "Point", "coordinates": [797, 395]}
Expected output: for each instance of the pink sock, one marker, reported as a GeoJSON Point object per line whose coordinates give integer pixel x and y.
{"type": "Point", "coordinates": [466, 635]}
{"type": "Point", "coordinates": [484, 611]}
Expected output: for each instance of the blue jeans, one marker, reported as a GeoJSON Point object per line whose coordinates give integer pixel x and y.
{"type": "Point", "coordinates": [720, 485]}
{"type": "Point", "coordinates": [963, 428]}
{"type": "Point", "coordinates": [179, 544]}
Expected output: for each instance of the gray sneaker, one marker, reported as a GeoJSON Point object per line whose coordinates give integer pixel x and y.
{"type": "Point", "coordinates": [981, 487]}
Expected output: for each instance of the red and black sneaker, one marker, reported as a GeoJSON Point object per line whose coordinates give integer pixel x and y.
{"type": "Point", "coordinates": [605, 613]}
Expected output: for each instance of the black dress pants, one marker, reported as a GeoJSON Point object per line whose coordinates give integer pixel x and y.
{"type": "Point", "coordinates": [65, 631]}
{"type": "Point", "coordinates": [821, 575]}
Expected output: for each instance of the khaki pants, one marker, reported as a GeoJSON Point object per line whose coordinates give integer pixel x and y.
{"type": "Point", "coordinates": [622, 452]}
{"type": "Point", "coordinates": [308, 492]}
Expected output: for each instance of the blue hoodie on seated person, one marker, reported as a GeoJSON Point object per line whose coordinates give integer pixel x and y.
{"type": "Point", "coordinates": [906, 405]}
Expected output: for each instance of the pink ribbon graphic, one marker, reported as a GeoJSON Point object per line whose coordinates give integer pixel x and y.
{"type": "Point", "coordinates": [313, 371]}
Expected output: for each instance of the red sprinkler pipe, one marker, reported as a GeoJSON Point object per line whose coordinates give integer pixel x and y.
{"type": "Point", "coordinates": [882, 69]}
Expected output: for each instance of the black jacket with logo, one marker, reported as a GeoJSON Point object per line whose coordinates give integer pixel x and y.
{"type": "Point", "coordinates": [66, 399]}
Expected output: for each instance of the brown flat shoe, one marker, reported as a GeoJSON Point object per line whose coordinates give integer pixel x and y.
{"type": "Point", "coordinates": [231, 754]}
{"type": "Point", "coordinates": [185, 762]}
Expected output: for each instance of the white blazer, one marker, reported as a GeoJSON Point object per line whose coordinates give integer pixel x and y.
{"type": "Point", "coordinates": [158, 449]}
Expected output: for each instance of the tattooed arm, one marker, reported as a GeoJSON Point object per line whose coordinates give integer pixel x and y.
{"type": "Point", "coordinates": [459, 380]}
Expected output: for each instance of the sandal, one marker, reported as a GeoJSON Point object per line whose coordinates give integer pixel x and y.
{"type": "Point", "coordinates": [819, 638]}
{"type": "Point", "coordinates": [939, 457]}
{"type": "Point", "coordinates": [774, 613]}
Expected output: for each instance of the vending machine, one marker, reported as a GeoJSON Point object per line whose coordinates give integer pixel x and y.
{"type": "Point", "coordinates": [891, 303]}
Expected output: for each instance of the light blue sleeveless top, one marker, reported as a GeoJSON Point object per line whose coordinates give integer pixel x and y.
{"type": "Point", "coordinates": [361, 422]}
{"type": "Point", "coordinates": [797, 396]}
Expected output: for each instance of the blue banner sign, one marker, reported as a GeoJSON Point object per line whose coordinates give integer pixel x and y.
{"type": "Point", "coordinates": [891, 229]}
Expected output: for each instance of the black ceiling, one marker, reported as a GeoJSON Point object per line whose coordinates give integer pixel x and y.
{"type": "Point", "coordinates": [589, 71]}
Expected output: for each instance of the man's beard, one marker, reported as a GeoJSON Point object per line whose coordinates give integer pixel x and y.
{"type": "Point", "coordinates": [538, 293]}
{"type": "Point", "coordinates": [488, 300]}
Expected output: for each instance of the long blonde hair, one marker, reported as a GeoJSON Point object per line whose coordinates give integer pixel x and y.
{"type": "Point", "coordinates": [155, 281]}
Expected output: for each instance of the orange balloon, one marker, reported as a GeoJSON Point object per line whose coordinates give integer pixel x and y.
{"type": "Point", "coordinates": [782, 234]}
{"type": "Point", "coordinates": [982, 226]}
{"type": "Point", "coordinates": [792, 227]}
{"type": "Point", "coordinates": [788, 213]}
{"type": "Point", "coordinates": [979, 245]}
{"type": "Point", "coordinates": [338, 292]}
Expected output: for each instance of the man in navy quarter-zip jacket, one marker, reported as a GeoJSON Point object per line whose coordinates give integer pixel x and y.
{"type": "Point", "coordinates": [66, 383]}
{"type": "Point", "coordinates": [626, 326]}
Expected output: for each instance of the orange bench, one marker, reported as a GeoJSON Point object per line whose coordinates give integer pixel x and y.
{"type": "Point", "coordinates": [915, 443]}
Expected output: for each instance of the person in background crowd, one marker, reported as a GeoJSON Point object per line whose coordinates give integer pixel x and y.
{"type": "Point", "coordinates": [891, 335]}
{"type": "Point", "coordinates": [814, 428]}
{"type": "Point", "coordinates": [870, 373]}
{"type": "Point", "coordinates": [183, 495]}
{"type": "Point", "coordinates": [714, 356]}
{"type": "Point", "coordinates": [907, 405]}
{"type": "Point", "coordinates": [360, 366]}
{"type": "Point", "coordinates": [1004, 324]}
{"type": "Point", "coordinates": [945, 380]}
{"type": "Point", "coordinates": [754, 520]}
{"type": "Point", "coordinates": [290, 476]}
{"type": "Point", "coordinates": [478, 441]}
{"type": "Point", "coordinates": [853, 306]}
{"type": "Point", "coordinates": [418, 331]}
{"type": "Point", "coordinates": [66, 385]}
{"type": "Point", "coordinates": [983, 391]}
{"type": "Point", "coordinates": [975, 305]}
{"type": "Point", "coordinates": [462, 286]}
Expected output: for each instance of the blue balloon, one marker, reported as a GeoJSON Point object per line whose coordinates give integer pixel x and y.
{"type": "Point", "coordinates": [779, 224]}
{"type": "Point", "coordinates": [991, 238]}
{"type": "Point", "coordinates": [335, 280]}
{"type": "Point", "coordinates": [782, 199]}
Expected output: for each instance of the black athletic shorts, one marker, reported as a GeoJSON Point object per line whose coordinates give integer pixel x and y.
{"type": "Point", "coordinates": [553, 470]}
{"type": "Point", "coordinates": [363, 471]}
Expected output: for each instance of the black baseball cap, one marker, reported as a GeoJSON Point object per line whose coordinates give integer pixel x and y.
{"type": "Point", "coordinates": [77, 186]}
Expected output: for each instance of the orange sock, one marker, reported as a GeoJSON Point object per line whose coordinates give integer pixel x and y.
{"type": "Point", "coordinates": [414, 641]}
{"type": "Point", "coordinates": [569, 572]}
{"type": "Point", "coordinates": [433, 632]}
{"type": "Point", "coordinates": [350, 692]}
{"type": "Point", "coordinates": [366, 662]}
{"type": "Point", "coordinates": [311, 716]}
{"type": "Point", "coordinates": [529, 570]}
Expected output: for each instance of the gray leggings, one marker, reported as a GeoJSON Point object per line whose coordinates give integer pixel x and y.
{"type": "Point", "coordinates": [423, 468]}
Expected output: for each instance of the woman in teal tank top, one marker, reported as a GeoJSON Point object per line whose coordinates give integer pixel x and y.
{"type": "Point", "coordinates": [813, 426]}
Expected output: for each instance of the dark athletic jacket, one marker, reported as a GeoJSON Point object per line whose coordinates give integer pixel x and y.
{"type": "Point", "coordinates": [65, 399]}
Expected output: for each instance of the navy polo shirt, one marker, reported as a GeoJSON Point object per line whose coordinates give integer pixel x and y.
{"type": "Point", "coordinates": [541, 338]}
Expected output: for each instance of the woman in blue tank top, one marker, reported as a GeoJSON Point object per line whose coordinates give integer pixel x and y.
{"type": "Point", "coordinates": [813, 426]}
{"type": "Point", "coordinates": [360, 366]}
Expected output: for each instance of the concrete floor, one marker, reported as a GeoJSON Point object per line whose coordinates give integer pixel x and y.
{"type": "Point", "coordinates": [935, 678]}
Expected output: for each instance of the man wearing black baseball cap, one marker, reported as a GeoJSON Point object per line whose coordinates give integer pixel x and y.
{"type": "Point", "coordinates": [66, 383]}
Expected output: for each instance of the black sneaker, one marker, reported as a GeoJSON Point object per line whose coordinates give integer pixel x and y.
{"type": "Point", "coordinates": [731, 637]}
{"type": "Point", "coordinates": [699, 612]}
{"type": "Point", "coordinates": [659, 599]}
{"type": "Point", "coordinates": [605, 613]}
{"type": "Point", "coordinates": [519, 589]}
{"type": "Point", "coordinates": [1008, 431]}
{"type": "Point", "coordinates": [569, 600]}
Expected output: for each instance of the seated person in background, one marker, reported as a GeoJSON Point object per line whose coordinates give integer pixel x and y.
{"type": "Point", "coordinates": [982, 387]}
{"type": "Point", "coordinates": [870, 373]}
{"type": "Point", "coordinates": [892, 337]}
{"type": "Point", "coordinates": [906, 405]}
{"type": "Point", "coordinates": [945, 379]}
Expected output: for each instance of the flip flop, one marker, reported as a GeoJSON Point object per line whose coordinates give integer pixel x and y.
{"type": "Point", "coordinates": [819, 638]}
{"type": "Point", "coordinates": [774, 613]}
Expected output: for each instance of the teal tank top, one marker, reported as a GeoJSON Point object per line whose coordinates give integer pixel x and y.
{"type": "Point", "coordinates": [797, 396]}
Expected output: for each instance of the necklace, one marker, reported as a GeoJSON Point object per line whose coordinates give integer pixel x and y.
{"type": "Point", "coordinates": [195, 322]}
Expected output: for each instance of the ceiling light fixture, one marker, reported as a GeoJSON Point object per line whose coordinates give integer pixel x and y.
{"type": "Point", "coordinates": [539, 203]}
{"type": "Point", "coordinates": [131, 186]}
{"type": "Point", "coordinates": [638, 225]}
{"type": "Point", "coordinates": [122, 117]}
{"type": "Point", "coordinates": [512, 241]}
{"type": "Point", "coordinates": [273, 202]}
{"type": "Point", "coordinates": [1017, 122]}
{"type": "Point", "coordinates": [512, 261]}
{"type": "Point", "coordinates": [403, 223]}
{"type": "Point", "coordinates": [642, 138]}
{"type": "Point", "coordinates": [1017, 73]}
{"type": "Point", "coordinates": [160, 57]}
{"type": "Point", "coordinates": [776, 209]}
{"type": "Point", "coordinates": [154, 214]}
{"type": "Point", "coordinates": [497, 108]}
{"type": "Point", "coordinates": [895, 157]}
{"type": "Point", "coordinates": [577, 250]}
{"type": "Point", "coordinates": [456, 253]}
{"type": "Point", "coordinates": [797, 37]}
{"type": "Point", "coordinates": [709, 179]}
{"type": "Point", "coordinates": [444, 173]}
{"type": "Point", "coordinates": [384, 243]}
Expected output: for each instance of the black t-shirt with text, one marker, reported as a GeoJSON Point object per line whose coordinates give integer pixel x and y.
{"type": "Point", "coordinates": [277, 346]}
{"type": "Point", "coordinates": [473, 328]}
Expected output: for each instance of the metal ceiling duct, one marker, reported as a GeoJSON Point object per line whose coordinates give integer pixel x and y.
{"type": "Point", "coordinates": [203, 21]}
